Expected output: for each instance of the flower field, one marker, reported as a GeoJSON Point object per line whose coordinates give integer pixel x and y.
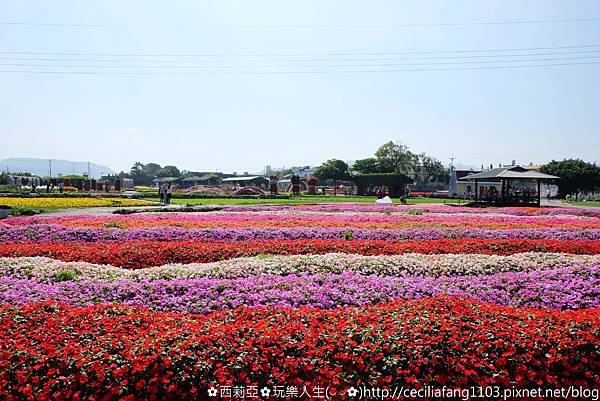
{"type": "Point", "coordinates": [69, 202]}
{"type": "Point", "coordinates": [170, 306]}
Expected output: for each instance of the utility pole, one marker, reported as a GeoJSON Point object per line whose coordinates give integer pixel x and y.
{"type": "Point", "coordinates": [50, 168]}
{"type": "Point", "coordinates": [452, 188]}
{"type": "Point", "coordinates": [89, 176]}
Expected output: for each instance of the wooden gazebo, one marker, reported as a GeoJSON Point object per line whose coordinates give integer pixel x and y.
{"type": "Point", "coordinates": [513, 190]}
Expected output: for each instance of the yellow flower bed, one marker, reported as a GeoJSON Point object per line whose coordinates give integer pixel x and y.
{"type": "Point", "coordinates": [71, 202]}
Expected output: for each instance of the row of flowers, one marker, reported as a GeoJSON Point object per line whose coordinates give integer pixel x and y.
{"type": "Point", "coordinates": [43, 202]}
{"type": "Point", "coordinates": [140, 254]}
{"type": "Point", "coordinates": [309, 219]}
{"type": "Point", "coordinates": [51, 351]}
{"type": "Point", "coordinates": [41, 233]}
{"type": "Point", "coordinates": [382, 208]}
{"type": "Point", "coordinates": [561, 288]}
{"type": "Point", "coordinates": [47, 270]}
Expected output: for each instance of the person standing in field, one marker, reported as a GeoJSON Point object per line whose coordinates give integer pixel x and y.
{"type": "Point", "coordinates": [163, 193]}
{"type": "Point", "coordinates": [168, 192]}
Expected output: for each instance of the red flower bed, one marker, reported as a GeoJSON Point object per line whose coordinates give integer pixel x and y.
{"type": "Point", "coordinates": [137, 254]}
{"type": "Point", "coordinates": [50, 351]}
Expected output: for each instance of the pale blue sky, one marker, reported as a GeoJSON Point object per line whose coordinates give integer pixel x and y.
{"type": "Point", "coordinates": [245, 121]}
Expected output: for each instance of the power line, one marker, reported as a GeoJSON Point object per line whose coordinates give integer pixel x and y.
{"type": "Point", "coordinates": [302, 26]}
{"type": "Point", "coordinates": [291, 72]}
{"type": "Point", "coordinates": [470, 56]}
{"type": "Point", "coordinates": [99, 66]}
{"type": "Point", "coordinates": [301, 54]}
{"type": "Point", "coordinates": [535, 153]}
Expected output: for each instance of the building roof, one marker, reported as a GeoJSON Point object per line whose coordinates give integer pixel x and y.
{"type": "Point", "coordinates": [203, 178]}
{"type": "Point", "coordinates": [242, 178]}
{"type": "Point", "coordinates": [515, 172]}
{"type": "Point", "coordinates": [165, 179]}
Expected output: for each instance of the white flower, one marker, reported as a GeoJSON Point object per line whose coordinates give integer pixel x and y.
{"type": "Point", "coordinates": [212, 392]}
{"type": "Point", "coordinates": [352, 392]}
{"type": "Point", "coordinates": [265, 391]}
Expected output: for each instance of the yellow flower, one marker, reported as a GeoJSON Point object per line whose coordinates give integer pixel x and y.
{"type": "Point", "coordinates": [71, 202]}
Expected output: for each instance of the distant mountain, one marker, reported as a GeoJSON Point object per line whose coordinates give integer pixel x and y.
{"type": "Point", "coordinates": [40, 167]}
{"type": "Point", "coordinates": [461, 166]}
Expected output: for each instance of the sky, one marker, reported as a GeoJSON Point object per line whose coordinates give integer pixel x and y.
{"type": "Point", "coordinates": [237, 85]}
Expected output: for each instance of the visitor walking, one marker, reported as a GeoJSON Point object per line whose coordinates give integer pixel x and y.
{"type": "Point", "coordinates": [61, 187]}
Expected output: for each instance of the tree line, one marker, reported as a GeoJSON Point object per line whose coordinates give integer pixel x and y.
{"type": "Point", "coordinates": [389, 158]}
{"type": "Point", "coordinates": [576, 176]}
{"type": "Point", "coordinates": [143, 174]}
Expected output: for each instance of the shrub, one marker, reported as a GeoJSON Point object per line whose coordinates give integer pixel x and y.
{"type": "Point", "coordinates": [64, 275]}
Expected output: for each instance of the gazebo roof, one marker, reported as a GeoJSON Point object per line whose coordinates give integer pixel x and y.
{"type": "Point", "coordinates": [512, 173]}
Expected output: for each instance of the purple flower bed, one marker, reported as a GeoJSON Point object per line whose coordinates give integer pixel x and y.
{"type": "Point", "coordinates": [563, 288]}
{"type": "Point", "coordinates": [383, 208]}
{"type": "Point", "coordinates": [42, 233]}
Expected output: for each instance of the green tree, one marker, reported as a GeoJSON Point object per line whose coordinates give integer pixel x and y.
{"type": "Point", "coordinates": [333, 169]}
{"type": "Point", "coordinates": [139, 174]}
{"type": "Point", "coordinates": [395, 158]}
{"type": "Point", "coordinates": [429, 169]}
{"type": "Point", "coordinates": [137, 169]}
{"type": "Point", "coordinates": [369, 165]}
{"type": "Point", "coordinates": [168, 171]}
{"type": "Point", "coordinates": [575, 175]}
{"type": "Point", "coordinates": [151, 169]}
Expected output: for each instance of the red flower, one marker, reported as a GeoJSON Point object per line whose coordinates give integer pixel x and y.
{"type": "Point", "coordinates": [388, 345]}
{"type": "Point", "coordinates": [139, 254]}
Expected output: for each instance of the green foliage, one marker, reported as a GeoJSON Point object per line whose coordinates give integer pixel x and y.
{"type": "Point", "coordinates": [9, 188]}
{"type": "Point", "coordinates": [429, 169]}
{"type": "Point", "coordinates": [575, 176]}
{"type": "Point", "coordinates": [395, 158]}
{"type": "Point", "coordinates": [168, 171]}
{"type": "Point", "coordinates": [394, 181]}
{"type": "Point", "coordinates": [64, 275]}
{"type": "Point", "coordinates": [113, 224]}
{"type": "Point", "coordinates": [75, 177]}
{"type": "Point", "coordinates": [263, 256]}
{"type": "Point", "coordinates": [347, 235]}
{"type": "Point", "coordinates": [151, 169]}
{"type": "Point", "coordinates": [143, 174]}
{"type": "Point", "coordinates": [333, 169]}
{"type": "Point", "coordinates": [17, 211]}
{"type": "Point", "coordinates": [369, 165]}
{"type": "Point", "coordinates": [415, 212]}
